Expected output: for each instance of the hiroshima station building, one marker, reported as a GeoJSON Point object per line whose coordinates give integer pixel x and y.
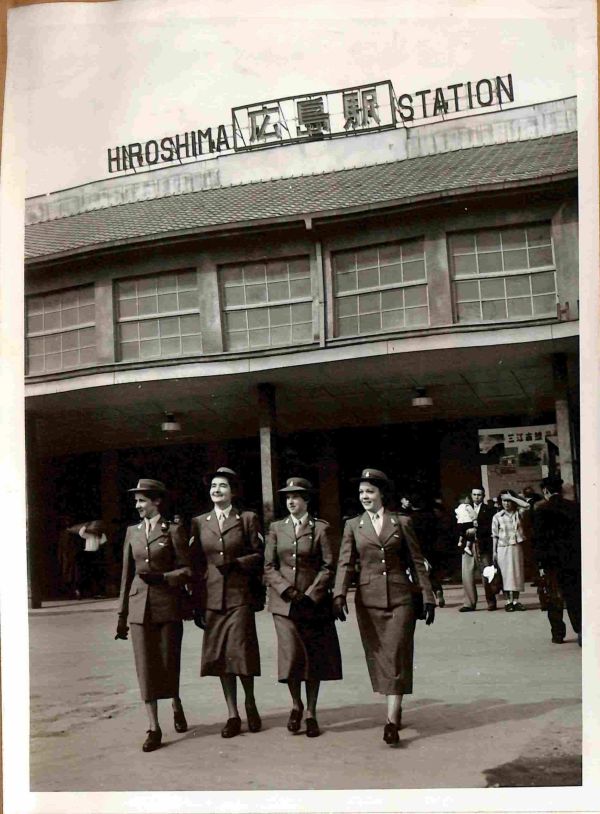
{"type": "Point", "coordinates": [339, 291]}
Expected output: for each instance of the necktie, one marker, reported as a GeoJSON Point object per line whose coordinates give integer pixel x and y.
{"type": "Point", "coordinates": [377, 523]}
{"type": "Point", "coordinates": [147, 528]}
{"type": "Point", "coordinates": [221, 519]}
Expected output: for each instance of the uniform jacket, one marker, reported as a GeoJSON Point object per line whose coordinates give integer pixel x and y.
{"type": "Point", "coordinates": [305, 562]}
{"type": "Point", "coordinates": [166, 552]}
{"type": "Point", "coordinates": [381, 562]}
{"type": "Point", "coordinates": [239, 542]}
{"type": "Point", "coordinates": [557, 534]}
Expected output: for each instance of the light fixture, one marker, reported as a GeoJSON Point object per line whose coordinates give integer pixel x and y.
{"type": "Point", "coordinates": [422, 399]}
{"type": "Point", "coordinates": [170, 424]}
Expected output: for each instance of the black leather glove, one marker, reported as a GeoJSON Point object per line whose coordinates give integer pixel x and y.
{"type": "Point", "coordinates": [226, 568]}
{"type": "Point", "coordinates": [429, 613]}
{"type": "Point", "coordinates": [152, 577]}
{"type": "Point", "coordinates": [199, 620]}
{"type": "Point", "coordinates": [340, 608]}
{"type": "Point", "coordinates": [292, 594]}
{"type": "Point", "coordinates": [122, 630]}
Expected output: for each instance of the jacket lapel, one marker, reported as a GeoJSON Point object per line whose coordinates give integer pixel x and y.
{"type": "Point", "coordinates": [365, 526]}
{"type": "Point", "coordinates": [231, 521]}
{"type": "Point", "coordinates": [389, 527]}
{"type": "Point", "coordinates": [211, 521]}
{"type": "Point", "coordinates": [155, 533]}
{"type": "Point", "coordinates": [288, 525]}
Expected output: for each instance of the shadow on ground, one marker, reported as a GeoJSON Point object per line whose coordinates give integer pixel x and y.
{"type": "Point", "coordinates": [429, 717]}
{"type": "Point", "coordinates": [562, 770]}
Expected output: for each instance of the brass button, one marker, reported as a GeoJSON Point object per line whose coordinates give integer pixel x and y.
{"type": "Point", "coordinates": [384, 573]}
{"type": "Point", "coordinates": [147, 560]}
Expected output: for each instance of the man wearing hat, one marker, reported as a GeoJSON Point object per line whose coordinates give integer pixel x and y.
{"type": "Point", "coordinates": [557, 548]}
{"type": "Point", "coordinates": [156, 566]}
{"type": "Point", "coordinates": [299, 570]}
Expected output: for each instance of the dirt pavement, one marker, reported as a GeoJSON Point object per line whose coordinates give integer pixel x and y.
{"type": "Point", "coordinates": [494, 704]}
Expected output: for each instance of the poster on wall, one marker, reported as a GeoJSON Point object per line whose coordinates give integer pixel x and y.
{"type": "Point", "coordinates": [525, 455]}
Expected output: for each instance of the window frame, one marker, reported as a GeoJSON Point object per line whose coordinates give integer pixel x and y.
{"type": "Point", "coordinates": [504, 274]}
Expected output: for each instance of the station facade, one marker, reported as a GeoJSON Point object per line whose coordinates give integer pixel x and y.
{"type": "Point", "coordinates": [287, 306]}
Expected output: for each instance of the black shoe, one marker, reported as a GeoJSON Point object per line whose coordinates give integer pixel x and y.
{"type": "Point", "coordinates": [312, 728]}
{"type": "Point", "coordinates": [509, 607]}
{"type": "Point", "coordinates": [390, 734]}
{"type": "Point", "coordinates": [153, 740]}
{"type": "Point", "coordinates": [179, 721]}
{"type": "Point", "coordinates": [293, 723]}
{"type": "Point", "coordinates": [518, 607]}
{"type": "Point", "coordinates": [557, 640]}
{"type": "Point", "coordinates": [232, 728]}
{"type": "Point", "coordinates": [440, 599]}
{"type": "Point", "coordinates": [253, 718]}
{"type": "Point", "coordinates": [465, 609]}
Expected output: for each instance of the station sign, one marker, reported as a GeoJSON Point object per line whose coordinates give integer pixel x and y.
{"type": "Point", "coordinates": [330, 114]}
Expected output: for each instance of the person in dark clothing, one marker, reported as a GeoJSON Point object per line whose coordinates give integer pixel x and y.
{"type": "Point", "coordinates": [557, 548]}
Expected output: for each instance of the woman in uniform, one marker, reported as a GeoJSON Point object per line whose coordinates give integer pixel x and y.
{"type": "Point", "coordinates": [155, 567]}
{"type": "Point", "coordinates": [227, 552]}
{"type": "Point", "coordinates": [383, 549]}
{"type": "Point", "coordinates": [299, 571]}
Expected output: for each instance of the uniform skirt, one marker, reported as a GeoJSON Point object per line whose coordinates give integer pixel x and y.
{"type": "Point", "coordinates": [387, 637]}
{"type": "Point", "coordinates": [157, 653]}
{"type": "Point", "coordinates": [230, 644]}
{"type": "Point", "coordinates": [512, 568]}
{"type": "Point", "coordinates": [307, 651]}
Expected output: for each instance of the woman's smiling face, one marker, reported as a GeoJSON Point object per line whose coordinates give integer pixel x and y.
{"type": "Point", "coordinates": [220, 492]}
{"type": "Point", "coordinates": [370, 496]}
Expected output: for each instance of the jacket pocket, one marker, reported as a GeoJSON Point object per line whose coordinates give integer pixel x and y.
{"type": "Point", "coordinates": [364, 579]}
{"type": "Point", "coordinates": [399, 578]}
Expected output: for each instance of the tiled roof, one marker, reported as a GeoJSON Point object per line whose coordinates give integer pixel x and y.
{"type": "Point", "coordinates": [498, 164]}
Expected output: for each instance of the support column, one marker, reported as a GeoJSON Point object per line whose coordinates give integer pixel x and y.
{"type": "Point", "coordinates": [34, 513]}
{"type": "Point", "coordinates": [329, 489]}
{"type": "Point", "coordinates": [563, 422]}
{"type": "Point", "coordinates": [268, 462]}
{"type": "Point", "coordinates": [110, 514]}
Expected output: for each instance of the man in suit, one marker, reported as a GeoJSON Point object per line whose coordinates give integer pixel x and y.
{"type": "Point", "coordinates": [479, 535]}
{"type": "Point", "coordinates": [557, 547]}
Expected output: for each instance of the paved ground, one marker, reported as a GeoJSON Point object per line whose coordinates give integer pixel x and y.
{"type": "Point", "coordinates": [495, 704]}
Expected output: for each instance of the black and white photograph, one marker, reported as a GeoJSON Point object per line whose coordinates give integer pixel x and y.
{"type": "Point", "coordinates": [300, 364]}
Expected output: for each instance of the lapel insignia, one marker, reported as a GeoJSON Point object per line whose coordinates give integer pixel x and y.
{"type": "Point", "coordinates": [207, 517]}
{"type": "Point", "coordinates": [287, 519]}
{"type": "Point", "coordinates": [191, 542]}
{"type": "Point", "coordinates": [140, 526]}
{"type": "Point", "coordinates": [393, 519]}
{"type": "Point", "coordinates": [237, 516]}
{"type": "Point", "coordinates": [310, 523]}
{"type": "Point", "coordinates": [164, 526]}
{"type": "Point", "coordinates": [360, 525]}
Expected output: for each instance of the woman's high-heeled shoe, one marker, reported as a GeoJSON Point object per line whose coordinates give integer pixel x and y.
{"type": "Point", "coordinates": [295, 718]}
{"type": "Point", "coordinates": [179, 721]}
{"type": "Point", "coordinates": [390, 734]}
{"type": "Point", "coordinates": [253, 718]}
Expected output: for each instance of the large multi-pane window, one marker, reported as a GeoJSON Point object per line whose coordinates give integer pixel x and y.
{"type": "Point", "coordinates": [158, 316]}
{"type": "Point", "coordinates": [267, 303]}
{"type": "Point", "coordinates": [502, 274]}
{"type": "Point", "coordinates": [61, 331]}
{"type": "Point", "coordinates": [380, 288]}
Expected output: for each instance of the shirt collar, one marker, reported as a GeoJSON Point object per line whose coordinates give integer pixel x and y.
{"type": "Point", "coordinates": [298, 521]}
{"type": "Point", "coordinates": [224, 512]}
{"type": "Point", "coordinates": [152, 521]}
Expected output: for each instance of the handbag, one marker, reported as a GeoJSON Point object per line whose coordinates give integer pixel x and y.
{"type": "Point", "coordinates": [418, 602]}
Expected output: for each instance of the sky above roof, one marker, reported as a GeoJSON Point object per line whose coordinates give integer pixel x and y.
{"type": "Point", "coordinates": [86, 77]}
